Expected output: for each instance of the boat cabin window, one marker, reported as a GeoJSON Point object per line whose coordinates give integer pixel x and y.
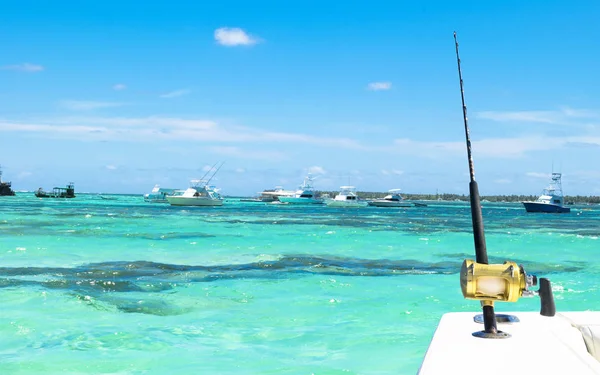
{"type": "Point", "coordinates": [350, 197]}
{"type": "Point", "coordinates": [306, 196]}
{"type": "Point", "coordinates": [557, 201]}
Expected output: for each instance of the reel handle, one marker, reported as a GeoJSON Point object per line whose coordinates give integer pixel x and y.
{"type": "Point", "coordinates": [546, 298]}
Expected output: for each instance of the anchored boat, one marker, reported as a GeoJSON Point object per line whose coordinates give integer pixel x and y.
{"type": "Point", "coordinates": [394, 199]}
{"type": "Point", "coordinates": [158, 195]}
{"type": "Point", "coordinates": [346, 198]}
{"type": "Point", "coordinates": [57, 192]}
{"type": "Point", "coordinates": [5, 187]}
{"type": "Point", "coordinates": [305, 194]}
{"type": "Point", "coordinates": [551, 200]}
{"type": "Point", "coordinates": [200, 193]}
{"type": "Point", "coordinates": [273, 195]}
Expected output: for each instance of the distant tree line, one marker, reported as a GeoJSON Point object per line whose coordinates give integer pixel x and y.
{"type": "Point", "coordinates": [571, 199]}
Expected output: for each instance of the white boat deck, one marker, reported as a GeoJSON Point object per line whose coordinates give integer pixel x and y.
{"type": "Point", "coordinates": [539, 345]}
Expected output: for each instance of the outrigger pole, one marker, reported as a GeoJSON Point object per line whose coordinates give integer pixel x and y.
{"type": "Point", "coordinates": [207, 172]}
{"type": "Point", "coordinates": [489, 317]}
{"type": "Point", "coordinates": [213, 175]}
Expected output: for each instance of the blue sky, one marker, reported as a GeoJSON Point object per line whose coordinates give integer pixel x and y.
{"type": "Point", "coordinates": [120, 95]}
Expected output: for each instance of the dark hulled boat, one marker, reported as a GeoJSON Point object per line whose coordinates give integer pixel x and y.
{"type": "Point", "coordinates": [551, 200]}
{"type": "Point", "coordinates": [57, 192]}
{"type": "Point", "coordinates": [5, 187]}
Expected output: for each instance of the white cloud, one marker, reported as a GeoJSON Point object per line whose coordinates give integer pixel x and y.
{"type": "Point", "coordinates": [502, 148]}
{"type": "Point", "coordinates": [111, 167]}
{"type": "Point", "coordinates": [176, 93]}
{"type": "Point", "coordinates": [504, 181]}
{"type": "Point", "coordinates": [514, 147]}
{"type": "Point", "coordinates": [379, 86]}
{"type": "Point", "coordinates": [234, 36]}
{"type": "Point", "coordinates": [240, 170]}
{"type": "Point", "coordinates": [209, 168]}
{"type": "Point", "coordinates": [594, 175]}
{"type": "Point", "coordinates": [565, 115]}
{"type": "Point", "coordinates": [83, 105]}
{"type": "Point", "coordinates": [548, 117]}
{"type": "Point", "coordinates": [316, 170]}
{"type": "Point", "coordinates": [119, 87]}
{"type": "Point", "coordinates": [580, 113]}
{"type": "Point", "coordinates": [156, 128]}
{"type": "Point", "coordinates": [391, 172]}
{"type": "Point", "coordinates": [147, 122]}
{"type": "Point", "coordinates": [25, 67]}
{"type": "Point", "coordinates": [303, 138]}
{"type": "Point", "coordinates": [427, 149]}
{"type": "Point", "coordinates": [539, 175]}
{"type": "Point", "coordinates": [24, 174]}
{"type": "Point", "coordinates": [237, 152]}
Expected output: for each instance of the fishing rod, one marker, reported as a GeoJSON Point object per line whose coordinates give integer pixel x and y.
{"type": "Point", "coordinates": [489, 317]}
{"type": "Point", "coordinates": [213, 175]}
{"type": "Point", "coordinates": [493, 282]}
{"type": "Point", "coordinates": [476, 216]}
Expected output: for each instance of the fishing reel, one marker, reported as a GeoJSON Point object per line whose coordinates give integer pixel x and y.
{"type": "Point", "coordinates": [505, 282]}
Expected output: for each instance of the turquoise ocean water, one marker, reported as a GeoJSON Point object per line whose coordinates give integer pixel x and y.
{"type": "Point", "coordinates": [93, 286]}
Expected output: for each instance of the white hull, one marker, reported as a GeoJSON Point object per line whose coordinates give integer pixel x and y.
{"type": "Point", "coordinates": [346, 204]}
{"type": "Point", "coordinates": [567, 344]}
{"type": "Point", "coordinates": [194, 201]}
{"type": "Point", "coordinates": [297, 200]}
{"type": "Point", "coordinates": [151, 198]}
{"type": "Point", "coordinates": [157, 200]}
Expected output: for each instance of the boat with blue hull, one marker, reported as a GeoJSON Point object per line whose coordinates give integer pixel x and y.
{"type": "Point", "coordinates": [551, 200]}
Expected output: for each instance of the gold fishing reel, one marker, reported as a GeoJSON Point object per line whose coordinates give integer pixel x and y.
{"type": "Point", "coordinates": [488, 283]}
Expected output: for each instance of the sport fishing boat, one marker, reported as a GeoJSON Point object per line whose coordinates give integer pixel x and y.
{"type": "Point", "coordinates": [57, 192]}
{"type": "Point", "coordinates": [304, 195]}
{"type": "Point", "coordinates": [519, 342]}
{"type": "Point", "coordinates": [551, 200]}
{"type": "Point", "coordinates": [394, 199]}
{"type": "Point", "coordinates": [346, 198]}
{"type": "Point", "coordinates": [5, 187]}
{"type": "Point", "coordinates": [198, 194]}
{"type": "Point", "coordinates": [158, 195]}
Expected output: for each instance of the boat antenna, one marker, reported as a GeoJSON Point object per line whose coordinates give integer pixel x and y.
{"type": "Point", "coordinates": [489, 318]}
{"type": "Point", "coordinates": [213, 175]}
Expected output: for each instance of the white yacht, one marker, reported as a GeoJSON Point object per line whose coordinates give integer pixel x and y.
{"type": "Point", "coordinates": [158, 195]}
{"type": "Point", "coordinates": [198, 194]}
{"type": "Point", "coordinates": [346, 198]}
{"type": "Point", "coordinates": [394, 199]}
{"type": "Point", "coordinates": [304, 195]}
{"type": "Point", "coordinates": [272, 195]}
